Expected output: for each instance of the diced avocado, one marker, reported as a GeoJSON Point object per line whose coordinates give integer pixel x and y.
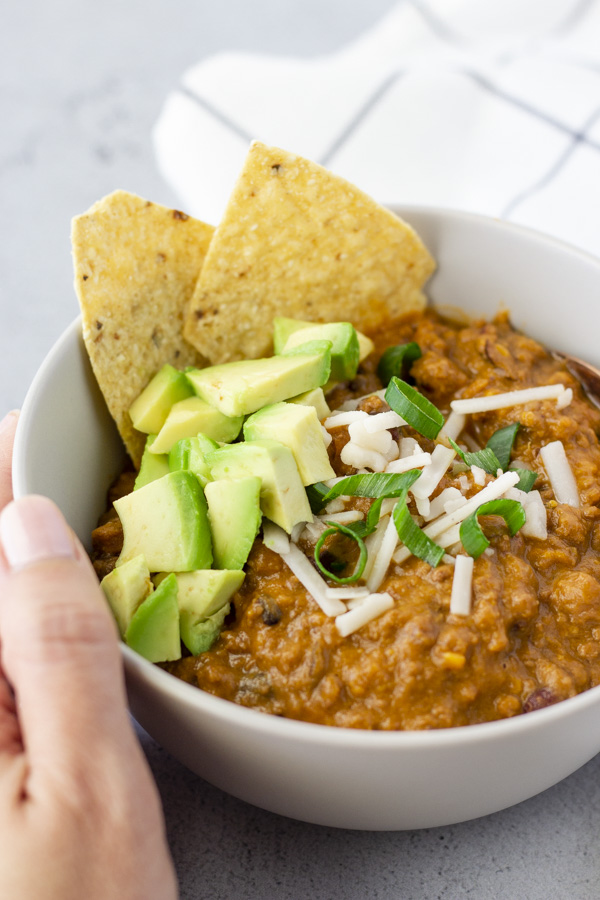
{"type": "Point", "coordinates": [297, 427]}
{"type": "Point", "coordinates": [234, 515]}
{"type": "Point", "coordinates": [126, 587]}
{"type": "Point", "coordinates": [154, 629]}
{"type": "Point", "coordinates": [202, 597]}
{"type": "Point", "coordinates": [205, 633]}
{"type": "Point", "coordinates": [315, 398]}
{"type": "Point", "coordinates": [167, 522]}
{"type": "Point", "coordinates": [152, 466]}
{"type": "Point", "coordinates": [282, 495]}
{"type": "Point", "coordinates": [190, 454]}
{"type": "Point", "coordinates": [150, 410]}
{"type": "Point", "coordinates": [344, 341]}
{"type": "Point", "coordinates": [192, 415]}
{"type": "Point", "coordinates": [365, 346]}
{"type": "Point", "coordinates": [239, 388]}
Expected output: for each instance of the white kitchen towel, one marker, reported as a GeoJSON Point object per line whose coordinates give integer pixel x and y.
{"type": "Point", "coordinates": [491, 106]}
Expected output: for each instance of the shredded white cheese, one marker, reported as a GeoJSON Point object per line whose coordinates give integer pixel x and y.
{"type": "Point", "coordinates": [453, 425]}
{"type": "Point", "coordinates": [444, 500]}
{"type": "Point", "coordinates": [373, 543]}
{"type": "Point", "coordinates": [275, 538]}
{"type": "Point", "coordinates": [560, 473]}
{"type": "Point", "coordinates": [345, 592]}
{"type": "Point", "coordinates": [433, 474]}
{"type": "Point", "coordinates": [344, 518]}
{"type": "Point", "coordinates": [310, 579]}
{"type": "Point", "coordinates": [449, 537]}
{"type": "Point", "coordinates": [418, 461]}
{"type": "Point", "coordinates": [423, 507]}
{"type": "Point", "coordinates": [313, 530]}
{"type": "Point", "coordinates": [297, 531]}
{"type": "Point", "coordinates": [384, 556]}
{"type": "Point", "coordinates": [331, 482]}
{"type": "Point", "coordinates": [370, 608]}
{"type": "Point", "coordinates": [383, 421]}
{"type": "Point", "coordinates": [479, 475]}
{"type": "Point", "coordinates": [360, 457]}
{"type": "Point", "coordinates": [387, 507]}
{"type": "Point", "coordinates": [380, 440]}
{"type": "Point", "coordinates": [462, 586]}
{"type": "Point", "coordinates": [513, 398]}
{"type": "Point", "coordinates": [337, 419]}
{"type": "Point", "coordinates": [565, 399]}
{"type": "Point", "coordinates": [408, 447]}
{"type": "Point", "coordinates": [536, 524]}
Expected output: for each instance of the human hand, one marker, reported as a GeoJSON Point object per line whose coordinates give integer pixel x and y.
{"type": "Point", "coordinates": [80, 815]}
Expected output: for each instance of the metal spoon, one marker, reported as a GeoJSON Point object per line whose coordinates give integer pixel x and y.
{"type": "Point", "coordinates": [587, 375]}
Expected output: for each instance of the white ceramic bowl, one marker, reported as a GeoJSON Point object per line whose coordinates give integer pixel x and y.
{"type": "Point", "coordinates": [68, 449]}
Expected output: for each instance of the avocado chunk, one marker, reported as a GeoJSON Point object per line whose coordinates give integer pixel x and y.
{"type": "Point", "coordinates": [297, 427]}
{"type": "Point", "coordinates": [343, 337]}
{"type": "Point", "coordinates": [282, 495]}
{"type": "Point", "coordinates": [365, 346]}
{"type": "Point", "coordinates": [150, 410]}
{"type": "Point", "coordinates": [125, 588]}
{"type": "Point", "coordinates": [192, 415]}
{"type": "Point", "coordinates": [283, 329]}
{"type": "Point", "coordinates": [154, 629]}
{"type": "Point", "coordinates": [315, 398]}
{"type": "Point", "coordinates": [167, 522]}
{"type": "Point", "coordinates": [203, 599]}
{"type": "Point", "coordinates": [234, 515]}
{"type": "Point", "coordinates": [242, 387]}
{"type": "Point", "coordinates": [152, 466]}
{"type": "Point", "coordinates": [202, 636]}
{"type": "Point", "coordinates": [190, 454]}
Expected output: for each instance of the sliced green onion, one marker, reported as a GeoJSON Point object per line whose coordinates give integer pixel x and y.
{"type": "Point", "coordinates": [486, 459]}
{"type": "Point", "coordinates": [397, 360]}
{"type": "Point", "coordinates": [474, 540]}
{"type": "Point", "coordinates": [364, 529]}
{"type": "Point", "coordinates": [334, 528]}
{"type": "Point", "coordinates": [414, 408]}
{"type": "Point", "coordinates": [315, 493]}
{"type": "Point", "coordinates": [527, 478]}
{"type": "Point", "coordinates": [411, 535]}
{"type": "Point", "coordinates": [378, 484]}
{"type": "Point", "coordinates": [501, 443]}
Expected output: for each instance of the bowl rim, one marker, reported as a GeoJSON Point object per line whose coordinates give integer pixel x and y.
{"type": "Point", "coordinates": [137, 668]}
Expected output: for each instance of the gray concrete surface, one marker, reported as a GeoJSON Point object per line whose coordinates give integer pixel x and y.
{"type": "Point", "coordinates": [81, 84]}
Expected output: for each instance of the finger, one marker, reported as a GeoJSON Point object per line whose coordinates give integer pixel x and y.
{"type": "Point", "coordinates": [8, 427]}
{"type": "Point", "coordinates": [59, 647]}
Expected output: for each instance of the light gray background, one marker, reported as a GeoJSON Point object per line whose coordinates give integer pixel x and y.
{"type": "Point", "coordinates": [81, 84]}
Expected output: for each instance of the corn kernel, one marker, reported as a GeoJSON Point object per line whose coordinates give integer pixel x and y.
{"type": "Point", "coordinates": [453, 660]}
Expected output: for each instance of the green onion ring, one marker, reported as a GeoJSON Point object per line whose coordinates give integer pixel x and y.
{"type": "Point", "coordinates": [362, 559]}
{"type": "Point", "coordinates": [414, 408]}
{"type": "Point", "coordinates": [472, 537]}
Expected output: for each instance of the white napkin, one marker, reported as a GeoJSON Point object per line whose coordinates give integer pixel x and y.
{"type": "Point", "coordinates": [491, 106]}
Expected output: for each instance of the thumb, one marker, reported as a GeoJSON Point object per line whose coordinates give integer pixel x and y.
{"type": "Point", "coordinates": [59, 644]}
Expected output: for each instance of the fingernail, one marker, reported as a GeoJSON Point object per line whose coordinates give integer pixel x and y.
{"type": "Point", "coordinates": [32, 530]}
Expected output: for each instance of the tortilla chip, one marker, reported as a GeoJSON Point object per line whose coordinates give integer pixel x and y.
{"type": "Point", "coordinates": [300, 242]}
{"type": "Point", "coordinates": [136, 266]}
